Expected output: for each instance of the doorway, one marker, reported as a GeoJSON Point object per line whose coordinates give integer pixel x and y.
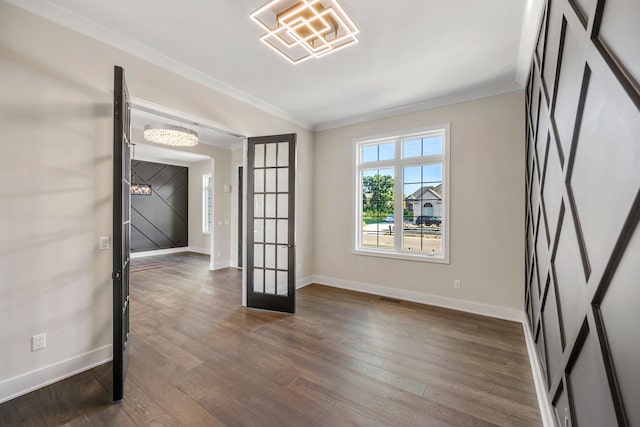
{"type": "Point", "coordinates": [131, 116]}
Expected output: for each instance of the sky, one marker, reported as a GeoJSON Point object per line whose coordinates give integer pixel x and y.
{"type": "Point", "coordinates": [414, 176]}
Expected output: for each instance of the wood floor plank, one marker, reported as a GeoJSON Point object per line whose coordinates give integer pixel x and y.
{"type": "Point", "coordinates": [344, 359]}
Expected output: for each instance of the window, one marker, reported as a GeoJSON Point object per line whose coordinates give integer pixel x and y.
{"type": "Point", "coordinates": [402, 195]}
{"type": "Point", "coordinates": [207, 203]}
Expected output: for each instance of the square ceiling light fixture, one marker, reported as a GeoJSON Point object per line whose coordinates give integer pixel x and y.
{"type": "Point", "coordinates": [304, 29]}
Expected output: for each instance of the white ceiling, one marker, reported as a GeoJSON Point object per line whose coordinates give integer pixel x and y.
{"type": "Point", "coordinates": [206, 135]}
{"type": "Point", "coordinates": [411, 52]}
{"type": "Point", "coordinates": [157, 154]}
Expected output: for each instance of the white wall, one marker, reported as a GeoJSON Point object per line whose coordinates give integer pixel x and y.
{"type": "Point", "coordinates": [198, 241]}
{"type": "Point", "coordinates": [236, 160]}
{"type": "Point", "coordinates": [487, 208]}
{"type": "Point", "coordinates": [222, 204]}
{"type": "Point", "coordinates": [56, 91]}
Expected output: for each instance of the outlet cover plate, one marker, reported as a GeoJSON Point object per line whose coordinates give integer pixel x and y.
{"type": "Point", "coordinates": [38, 342]}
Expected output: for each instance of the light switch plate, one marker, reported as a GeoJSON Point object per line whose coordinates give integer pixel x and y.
{"type": "Point", "coordinates": [103, 243]}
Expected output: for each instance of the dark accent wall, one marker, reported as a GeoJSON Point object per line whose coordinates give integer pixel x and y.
{"type": "Point", "coordinates": [160, 221]}
{"type": "Point", "coordinates": [583, 205]}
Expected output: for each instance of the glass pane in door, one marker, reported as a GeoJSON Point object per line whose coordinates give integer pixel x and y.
{"type": "Point", "coordinates": [282, 282]}
{"type": "Point", "coordinates": [270, 256]}
{"type": "Point", "coordinates": [258, 280]}
{"type": "Point", "coordinates": [269, 281]}
{"type": "Point", "coordinates": [259, 156]}
{"type": "Point", "coordinates": [270, 180]}
{"type": "Point", "coordinates": [283, 154]}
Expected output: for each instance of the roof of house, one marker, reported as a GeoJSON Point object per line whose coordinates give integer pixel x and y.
{"type": "Point", "coordinates": [427, 192]}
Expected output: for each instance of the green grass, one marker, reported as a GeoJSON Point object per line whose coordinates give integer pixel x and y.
{"type": "Point", "coordinates": [372, 220]}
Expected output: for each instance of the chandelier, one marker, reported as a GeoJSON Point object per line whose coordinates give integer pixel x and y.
{"type": "Point", "coordinates": [177, 136]}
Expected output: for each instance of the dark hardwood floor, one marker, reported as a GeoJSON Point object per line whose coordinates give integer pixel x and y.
{"type": "Point", "coordinates": [345, 359]}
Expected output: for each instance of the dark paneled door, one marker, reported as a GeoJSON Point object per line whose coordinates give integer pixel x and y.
{"type": "Point", "coordinates": [121, 229]}
{"type": "Point", "coordinates": [270, 198]}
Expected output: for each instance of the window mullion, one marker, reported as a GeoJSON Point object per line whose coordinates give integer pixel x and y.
{"type": "Point", "coordinates": [382, 164]}
{"type": "Point", "coordinates": [423, 160]}
{"type": "Point", "coordinates": [398, 208]}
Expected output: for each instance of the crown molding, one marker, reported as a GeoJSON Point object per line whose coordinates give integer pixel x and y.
{"type": "Point", "coordinates": [428, 104]}
{"type": "Point", "coordinates": [80, 24]}
{"type": "Point", "coordinates": [531, 17]}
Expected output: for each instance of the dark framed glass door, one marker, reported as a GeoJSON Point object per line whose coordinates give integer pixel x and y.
{"type": "Point", "coordinates": [240, 213]}
{"type": "Point", "coordinates": [121, 229]}
{"type": "Point", "coordinates": [270, 229]}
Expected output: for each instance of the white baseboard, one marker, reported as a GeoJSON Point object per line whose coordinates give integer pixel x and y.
{"type": "Point", "coordinates": [546, 411]}
{"type": "Point", "coordinates": [498, 312]}
{"type": "Point", "coordinates": [144, 254]}
{"type": "Point", "coordinates": [203, 251]}
{"type": "Point", "coordinates": [304, 281]}
{"type": "Point", "coordinates": [221, 264]}
{"type": "Point", "coordinates": [30, 381]}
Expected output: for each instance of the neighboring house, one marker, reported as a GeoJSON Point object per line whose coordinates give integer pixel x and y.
{"type": "Point", "coordinates": [426, 201]}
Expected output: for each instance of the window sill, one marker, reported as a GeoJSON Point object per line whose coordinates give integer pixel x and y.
{"type": "Point", "coordinates": [401, 255]}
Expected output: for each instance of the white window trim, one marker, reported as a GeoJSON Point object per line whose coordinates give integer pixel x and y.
{"type": "Point", "coordinates": [205, 231]}
{"type": "Point", "coordinates": [357, 193]}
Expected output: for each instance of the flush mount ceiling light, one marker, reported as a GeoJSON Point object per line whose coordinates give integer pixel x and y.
{"type": "Point", "coordinates": [304, 29]}
{"type": "Point", "coordinates": [177, 136]}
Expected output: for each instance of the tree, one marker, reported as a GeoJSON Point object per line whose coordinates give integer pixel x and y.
{"type": "Point", "coordinates": [377, 195]}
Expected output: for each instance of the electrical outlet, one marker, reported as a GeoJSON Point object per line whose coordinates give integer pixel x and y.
{"type": "Point", "coordinates": [38, 342]}
{"type": "Point", "coordinates": [456, 284]}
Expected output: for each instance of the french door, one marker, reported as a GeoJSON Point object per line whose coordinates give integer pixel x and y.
{"type": "Point", "coordinates": [240, 213]}
{"type": "Point", "coordinates": [271, 260]}
{"type": "Point", "coordinates": [121, 229]}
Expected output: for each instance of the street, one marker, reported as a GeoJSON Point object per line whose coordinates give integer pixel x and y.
{"type": "Point", "coordinates": [384, 238]}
